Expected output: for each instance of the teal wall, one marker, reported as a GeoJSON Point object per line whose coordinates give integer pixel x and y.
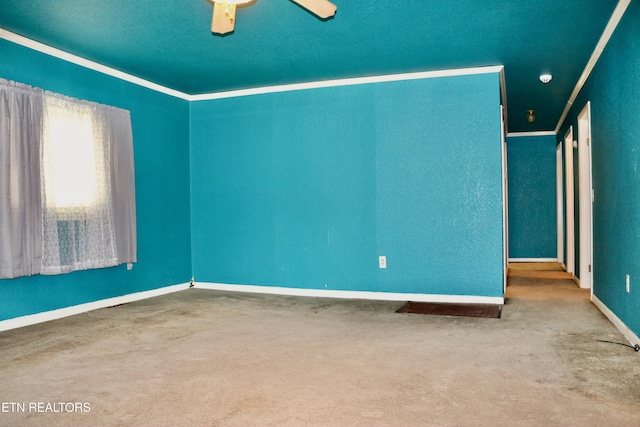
{"type": "Point", "coordinates": [614, 91]}
{"type": "Point", "coordinates": [532, 196]}
{"type": "Point", "coordinates": [161, 149]}
{"type": "Point", "coordinates": [307, 188]}
{"type": "Point", "coordinates": [296, 189]}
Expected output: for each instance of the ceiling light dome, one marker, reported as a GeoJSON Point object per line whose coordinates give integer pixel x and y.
{"type": "Point", "coordinates": [531, 116]}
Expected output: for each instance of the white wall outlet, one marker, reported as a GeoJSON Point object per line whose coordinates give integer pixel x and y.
{"type": "Point", "coordinates": [382, 261]}
{"type": "Point", "coordinates": [129, 266]}
{"type": "Point", "coordinates": [628, 284]}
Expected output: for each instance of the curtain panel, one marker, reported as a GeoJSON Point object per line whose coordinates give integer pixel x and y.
{"type": "Point", "coordinates": [67, 183]}
{"type": "Point", "coordinates": [20, 200]}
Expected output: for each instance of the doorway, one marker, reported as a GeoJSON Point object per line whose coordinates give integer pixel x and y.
{"type": "Point", "coordinates": [569, 204]}
{"type": "Point", "coordinates": [560, 205]}
{"type": "Point", "coordinates": [585, 197]}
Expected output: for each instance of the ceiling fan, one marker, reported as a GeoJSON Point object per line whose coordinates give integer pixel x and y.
{"type": "Point", "coordinates": [224, 12]}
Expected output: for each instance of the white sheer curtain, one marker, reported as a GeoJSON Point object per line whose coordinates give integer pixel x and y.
{"type": "Point", "coordinates": [82, 196]}
{"type": "Point", "coordinates": [20, 206]}
{"type": "Point", "coordinates": [77, 215]}
{"type": "Point", "coordinates": [123, 188]}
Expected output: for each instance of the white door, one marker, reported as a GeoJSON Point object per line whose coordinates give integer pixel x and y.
{"type": "Point", "coordinates": [569, 204]}
{"type": "Point", "coordinates": [560, 204]}
{"type": "Point", "coordinates": [585, 194]}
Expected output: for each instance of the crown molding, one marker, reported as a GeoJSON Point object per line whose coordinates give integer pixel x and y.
{"type": "Point", "coordinates": [526, 134]}
{"type": "Point", "coordinates": [74, 59]}
{"type": "Point", "coordinates": [65, 56]}
{"type": "Point", "coordinates": [349, 82]}
{"type": "Point", "coordinates": [618, 12]}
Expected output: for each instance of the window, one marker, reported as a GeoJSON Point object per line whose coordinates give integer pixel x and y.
{"type": "Point", "coordinates": [71, 173]}
{"type": "Point", "coordinates": [78, 231]}
{"type": "Point", "coordinates": [69, 158]}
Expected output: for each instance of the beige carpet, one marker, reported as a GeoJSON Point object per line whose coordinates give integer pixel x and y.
{"type": "Point", "coordinates": [540, 270]}
{"type": "Point", "coordinates": [207, 358]}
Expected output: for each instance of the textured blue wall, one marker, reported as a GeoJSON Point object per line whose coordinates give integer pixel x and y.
{"type": "Point", "coordinates": [614, 92]}
{"type": "Point", "coordinates": [307, 188]}
{"type": "Point", "coordinates": [161, 149]}
{"type": "Point", "coordinates": [532, 196]}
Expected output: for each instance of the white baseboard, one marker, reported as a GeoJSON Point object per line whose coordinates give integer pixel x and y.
{"type": "Point", "coordinates": [326, 293]}
{"type": "Point", "coordinates": [46, 316]}
{"type": "Point", "coordinates": [33, 319]}
{"type": "Point", "coordinates": [533, 259]}
{"type": "Point", "coordinates": [624, 329]}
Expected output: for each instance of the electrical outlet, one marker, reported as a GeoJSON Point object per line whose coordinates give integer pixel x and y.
{"type": "Point", "coordinates": [382, 261]}
{"type": "Point", "coordinates": [129, 266]}
{"type": "Point", "coordinates": [628, 284]}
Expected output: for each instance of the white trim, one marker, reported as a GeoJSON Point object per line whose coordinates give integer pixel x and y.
{"type": "Point", "coordinates": [559, 204]}
{"type": "Point", "coordinates": [503, 94]}
{"type": "Point", "coordinates": [576, 279]}
{"type": "Point", "coordinates": [348, 82]}
{"type": "Point", "coordinates": [585, 194]}
{"type": "Point", "coordinates": [570, 241]}
{"type": "Point", "coordinates": [60, 313]}
{"type": "Point", "coordinates": [619, 324]}
{"type": "Point", "coordinates": [60, 54]}
{"type": "Point", "coordinates": [533, 259]}
{"type": "Point", "coordinates": [369, 295]}
{"type": "Point", "coordinates": [525, 134]}
{"type": "Point", "coordinates": [65, 56]}
{"type": "Point", "coordinates": [602, 43]}
{"type": "Point", "coordinates": [505, 201]}
{"type": "Point", "coordinates": [46, 316]}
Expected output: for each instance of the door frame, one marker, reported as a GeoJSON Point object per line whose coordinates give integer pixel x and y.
{"type": "Point", "coordinates": [585, 197]}
{"type": "Point", "coordinates": [505, 200]}
{"type": "Point", "coordinates": [569, 202]}
{"type": "Point", "coordinates": [560, 205]}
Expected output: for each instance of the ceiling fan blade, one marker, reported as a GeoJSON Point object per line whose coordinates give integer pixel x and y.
{"type": "Point", "coordinates": [224, 18]}
{"type": "Point", "coordinates": [322, 8]}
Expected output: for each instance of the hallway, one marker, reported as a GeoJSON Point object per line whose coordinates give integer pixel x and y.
{"type": "Point", "coordinates": [537, 270]}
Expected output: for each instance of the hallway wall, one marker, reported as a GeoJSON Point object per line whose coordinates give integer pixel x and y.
{"type": "Point", "coordinates": [614, 91]}
{"type": "Point", "coordinates": [532, 200]}
{"type": "Point", "coordinates": [306, 189]}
